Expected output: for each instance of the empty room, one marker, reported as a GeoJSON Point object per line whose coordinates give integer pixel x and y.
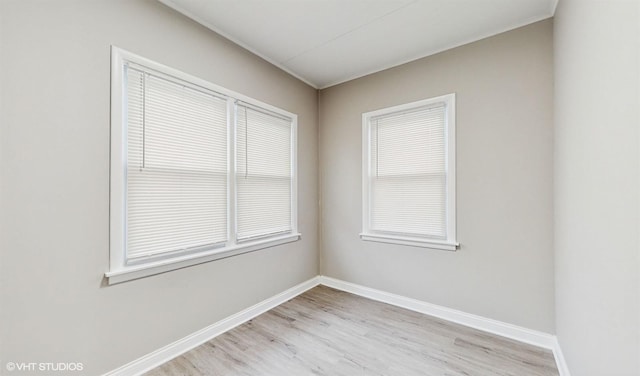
{"type": "Point", "coordinates": [320, 187]}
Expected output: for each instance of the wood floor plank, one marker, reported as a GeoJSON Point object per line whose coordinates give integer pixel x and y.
{"type": "Point", "coordinates": [330, 332]}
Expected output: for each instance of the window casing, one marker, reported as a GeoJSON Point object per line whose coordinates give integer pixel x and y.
{"type": "Point", "coordinates": [192, 179]}
{"type": "Point", "coordinates": [408, 176]}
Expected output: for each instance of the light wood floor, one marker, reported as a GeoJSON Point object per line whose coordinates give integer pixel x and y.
{"type": "Point", "coordinates": [330, 332]}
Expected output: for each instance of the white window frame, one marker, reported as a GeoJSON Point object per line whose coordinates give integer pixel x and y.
{"type": "Point", "coordinates": [368, 234]}
{"type": "Point", "coordinates": [120, 268]}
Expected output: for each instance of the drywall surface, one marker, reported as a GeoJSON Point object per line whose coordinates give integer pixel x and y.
{"type": "Point", "coordinates": [597, 163]}
{"type": "Point", "coordinates": [54, 247]}
{"type": "Point", "coordinates": [504, 268]}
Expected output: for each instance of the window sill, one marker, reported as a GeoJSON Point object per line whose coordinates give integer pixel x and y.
{"type": "Point", "coordinates": [414, 242]}
{"type": "Point", "coordinates": [162, 266]}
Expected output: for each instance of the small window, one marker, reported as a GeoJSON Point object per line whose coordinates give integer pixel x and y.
{"type": "Point", "coordinates": [409, 174]}
{"type": "Point", "coordinates": [198, 172]}
{"type": "Point", "coordinates": [263, 173]}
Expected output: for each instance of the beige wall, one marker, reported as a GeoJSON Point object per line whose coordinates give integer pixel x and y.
{"type": "Point", "coordinates": [504, 269]}
{"type": "Point", "coordinates": [54, 171]}
{"type": "Point", "coordinates": [597, 161]}
{"type": "Point", "coordinates": [55, 195]}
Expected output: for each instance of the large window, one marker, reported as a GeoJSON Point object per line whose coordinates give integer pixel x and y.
{"type": "Point", "coordinates": [197, 172]}
{"type": "Point", "coordinates": [409, 174]}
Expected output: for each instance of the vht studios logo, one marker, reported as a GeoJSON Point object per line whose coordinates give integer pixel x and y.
{"type": "Point", "coordinates": [42, 366]}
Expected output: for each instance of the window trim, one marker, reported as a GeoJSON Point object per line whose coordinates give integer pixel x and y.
{"type": "Point", "coordinates": [121, 268]}
{"type": "Point", "coordinates": [367, 234]}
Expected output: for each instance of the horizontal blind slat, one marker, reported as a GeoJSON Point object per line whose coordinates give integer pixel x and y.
{"type": "Point", "coordinates": [264, 173]}
{"type": "Point", "coordinates": [176, 166]}
{"type": "Point", "coordinates": [408, 172]}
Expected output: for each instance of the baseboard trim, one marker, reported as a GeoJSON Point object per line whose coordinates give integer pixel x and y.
{"type": "Point", "coordinates": [179, 347]}
{"type": "Point", "coordinates": [561, 363]}
{"type": "Point", "coordinates": [500, 328]}
{"type": "Point", "coordinates": [518, 333]}
{"type": "Point", "coordinates": [163, 355]}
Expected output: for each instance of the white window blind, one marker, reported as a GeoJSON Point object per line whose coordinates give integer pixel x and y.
{"type": "Point", "coordinates": [409, 172]}
{"type": "Point", "coordinates": [408, 182]}
{"type": "Point", "coordinates": [263, 173]}
{"type": "Point", "coordinates": [176, 187]}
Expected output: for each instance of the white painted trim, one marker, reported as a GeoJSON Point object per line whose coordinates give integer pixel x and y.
{"type": "Point", "coordinates": [161, 266]}
{"type": "Point", "coordinates": [120, 56]}
{"type": "Point", "coordinates": [518, 333]}
{"type": "Point", "coordinates": [436, 51]}
{"type": "Point", "coordinates": [294, 173]}
{"type": "Point", "coordinates": [122, 269]}
{"type": "Point", "coordinates": [368, 234]}
{"type": "Point", "coordinates": [179, 347]}
{"type": "Point", "coordinates": [561, 363]}
{"type": "Point", "coordinates": [216, 30]}
{"type": "Point", "coordinates": [366, 173]}
{"type": "Point", "coordinates": [165, 354]}
{"type": "Point", "coordinates": [451, 164]}
{"type": "Point", "coordinates": [117, 161]}
{"type": "Point", "coordinates": [281, 65]}
{"type": "Point", "coordinates": [414, 242]}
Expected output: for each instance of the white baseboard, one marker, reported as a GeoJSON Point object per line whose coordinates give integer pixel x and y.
{"type": "Point", "coordinates": [561, 363]}
{"type": "Point", "coordinates": [163, 355]}
{"type": "Point", "coordinates": [500, 328]}
{"type": "Point", "coordinates": [518, 333]}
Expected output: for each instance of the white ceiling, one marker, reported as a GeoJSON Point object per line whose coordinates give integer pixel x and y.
{"type": "Point", "coordinates": [326, 42]}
